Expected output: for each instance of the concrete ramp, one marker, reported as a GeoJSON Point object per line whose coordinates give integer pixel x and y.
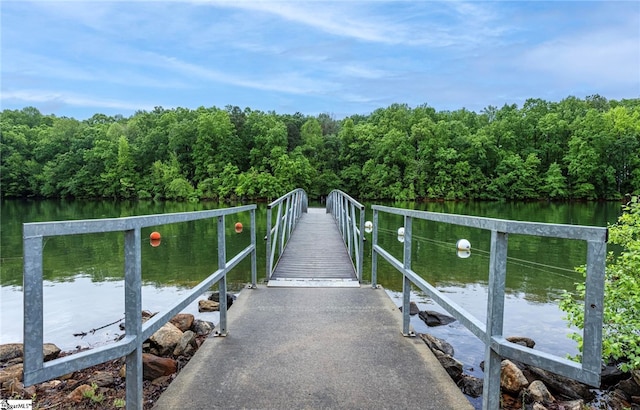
{"type": "Point", "coordinates": [312, 348]}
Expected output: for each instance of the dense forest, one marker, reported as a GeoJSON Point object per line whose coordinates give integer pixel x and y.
{"type": "Point", "coordinates": [573, 149]}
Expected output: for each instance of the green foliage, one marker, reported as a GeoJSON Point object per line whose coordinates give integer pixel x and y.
{"type": "Point", "coordinates": [92, 394]}
{"type": "Point", "coordinates": [621, 337]}
{"type": "Point", "coordinates": [572, 149]}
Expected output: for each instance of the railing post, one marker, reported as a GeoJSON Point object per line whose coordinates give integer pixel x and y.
{"type": "Point", "coordinates": [254, 264]}
{"type": "Point", "coordinates": [495, 318]}
{"type": "Point", "coordinates": [374, 254]}
{"type": "Point", "coordinates": [406, 282]}
{"type": "Point", "coordinates": [269, 257]}
{"type": "Point", "coordinates": [33, 327]}
{"type": "Point", "coordinates": [593, 306]}
{"type": "Point", "coordinates": [222, 284]}
{"type": "Point", "coordinates": [361, 245]}
{"type": "Point", "coordinates": [133, 316]}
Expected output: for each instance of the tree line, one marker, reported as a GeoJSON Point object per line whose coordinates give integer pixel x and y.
{"type": "Point", "coordinates": [572, 149]}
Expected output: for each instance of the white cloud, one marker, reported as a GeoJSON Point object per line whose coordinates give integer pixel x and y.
{"type": "Point", "coordinates": [70, 98]}
{"type": "Point", "coordinates": [601, 57]}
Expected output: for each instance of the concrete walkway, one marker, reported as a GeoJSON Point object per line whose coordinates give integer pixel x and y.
{"type": "Point", "coordinates": [313, 348]}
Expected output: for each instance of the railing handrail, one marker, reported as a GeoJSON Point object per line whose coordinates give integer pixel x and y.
{"type": "Point", "coordinates": [349, 216]}
{"type": "Point", "coordinates": [491, 332]}
{"type": "Point", "coordinates": [295, 204]}
{"type": "Point", "coordinates": [36, 370]}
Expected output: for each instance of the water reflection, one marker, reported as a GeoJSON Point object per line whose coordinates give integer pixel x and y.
{"type": "Point", "coordinates": [538, 269]}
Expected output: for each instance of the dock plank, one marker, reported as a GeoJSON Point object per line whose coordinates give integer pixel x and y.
{"type": "Point", "coordinates": [315, 252]}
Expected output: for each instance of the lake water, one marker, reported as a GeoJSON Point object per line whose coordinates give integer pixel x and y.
{"type": "Point", "coordinates": [84, 273]}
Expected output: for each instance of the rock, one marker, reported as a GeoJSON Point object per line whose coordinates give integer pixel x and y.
{"type": "Point", "coordinates": [208, 306]}
{"type": "Point", "coordinates": [77, 395]}
{"type": "Point", "coordinates": [538, 392]}
{"type": "Point", "coordinates": [15, 387]}
{"type": "Point", "coordinates": [611, 375]}
{"type": "Point", "coordinates": [12, 351]}
{"type": "Point", "coordinates": [413, 308]}
{"type": "Point", "coordinates": [571, 405]}
{"type": "Point", "coordinates": [435, 343]}
{"type": "Point", "coordinates": [161, 381]}
{"type": "Point", "coordinates": [50, 385]}
{"type": "Point", "coordinates": [630, 387]}
{"type": "Point", "coordinates": [10, 373]}
{"type": "Point", "coordinates": [50, 351]}
{"type": "Point", "coordinates": [617, 399]}
{"type": "Point", "coordinates": [144, 315]}
{"type": "Point", "coordinates": [538, 406]}
{"type": "Point", "coordinates": [186, 345]}
{"type": "Point", "coordinates": [511, 377]}
{"type": "Point", "coordinates": [154, 366]}
{"type": "Point", "coordinates": [166, 338]}
{"type": "Point", "coordinates": [102, 379]}
{"type": "Point", "coordinates": [471, 385]}
{"type": "Point", "coordinates": [451, 365]}
{"type": "Point", "coordinates": [523, 341]}
{"type": "Point", "coordinates": [202, 327]}
{"type": "Point", "coordinates": [636, 375]}
{"type": "Point", "coordinates": [432, 318]}
{"type": "Point", "coordinates": [215, 296]}
{"type": "Point", "coordinates": [122, 373]}
{"type": "Point", "coordinates": [563, 385]}
{"type": "Point", "coordinates": [182, 321]}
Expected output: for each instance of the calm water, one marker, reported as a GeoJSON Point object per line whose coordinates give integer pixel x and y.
{"type": "Point", "coordinates": [84, 278]}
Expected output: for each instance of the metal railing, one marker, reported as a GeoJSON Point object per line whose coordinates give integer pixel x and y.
{"type": "Point", "coordinates": [36, 370]}
{"type": "Point", "coordinates": [491, 332]}
{"type": "Point", "coordinates": [289, 208]}
{"type": "Point", "coordinates": [349, 216]}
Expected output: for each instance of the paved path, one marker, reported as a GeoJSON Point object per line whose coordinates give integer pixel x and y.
{"type": "Point", "coordinates": [313, 348]}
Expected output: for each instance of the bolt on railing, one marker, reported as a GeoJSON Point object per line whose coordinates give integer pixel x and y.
{"type": "Point", "coordinates": [349, 216]}
{"type": "Point", "coordinates": [36, 370]}
{"type": "Point", "coordinates": [289, 208]}
{"type": "Point", "coordinates": [491, 332]}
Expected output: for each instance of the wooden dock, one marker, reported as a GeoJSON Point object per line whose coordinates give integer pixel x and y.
{"type": "Point", "coordinates": [315, 256]}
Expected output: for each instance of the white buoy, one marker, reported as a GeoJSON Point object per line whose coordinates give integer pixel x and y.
{"type": "Point", "coordinates": [463, 254]}
{"type": "Point", "coordinates": [368, 227]}
{"type": "Point", "coordinates": [463, 245]}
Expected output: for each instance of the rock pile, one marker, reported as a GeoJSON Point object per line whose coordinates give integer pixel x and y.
{"type": "Point", "coordinates": [103, 386]}
{"type": "Point", "coordinates": [528, 387]}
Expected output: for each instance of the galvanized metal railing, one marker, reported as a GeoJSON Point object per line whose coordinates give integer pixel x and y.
{"type": "Point", "coordinates": [349, 216]}
{"type": "Point", "coordinates": [289, 208]}
{"type": "Point", "coordinates": [491, 332]}
{"type": "Point", "coordinates": [36, 370]}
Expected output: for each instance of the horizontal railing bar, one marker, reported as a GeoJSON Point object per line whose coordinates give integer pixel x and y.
{"type": "Point", "coordinates": [544, 360]}
{"type": "Point", "coordinates": [467, 319]}
{"type": "Point", "coordinates": [82, 360]}
{"type": "Point", "coordinates": [85, 226]}
{"type": "Point", "coordinates": [563, 231]}
{"type": "Point", "coordinates": [282, 198]}
{"type": "Point", "coordinates": [156, 322]}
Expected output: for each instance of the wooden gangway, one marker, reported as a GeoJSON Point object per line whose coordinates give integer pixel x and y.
{"type": "Point", "coordinates": [316, 255]}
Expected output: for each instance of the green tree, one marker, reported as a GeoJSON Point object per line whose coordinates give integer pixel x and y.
{"type": "Point", "coordinates": [620, 339]}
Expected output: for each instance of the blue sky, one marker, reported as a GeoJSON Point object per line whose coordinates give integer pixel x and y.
{"type": "Point", "coordinates": [77, 58]}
